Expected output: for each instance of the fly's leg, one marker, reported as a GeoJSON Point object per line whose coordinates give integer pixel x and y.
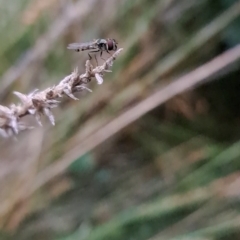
{"type": "Point", "coordinates": [90, 57]}
{"type": "Point", "coordinates": [109, 53]}
{"type": "Point", "coordinates": [96, 59]}
{"type": "Point", "coordinates": [102, 57]}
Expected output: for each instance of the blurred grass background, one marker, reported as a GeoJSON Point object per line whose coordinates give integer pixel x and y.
{"type": "Point", "coordinates": [172, 174]}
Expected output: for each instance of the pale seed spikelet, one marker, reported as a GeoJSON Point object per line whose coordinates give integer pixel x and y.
{"type": "Point", "coordinates": [38, 103]}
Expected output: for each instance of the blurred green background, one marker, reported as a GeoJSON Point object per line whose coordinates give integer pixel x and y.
{"type": "Point", "coordinates": [171, 174]}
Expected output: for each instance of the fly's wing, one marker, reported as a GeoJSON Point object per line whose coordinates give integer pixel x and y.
{"type": "Point", "coordinates": [83, 46]}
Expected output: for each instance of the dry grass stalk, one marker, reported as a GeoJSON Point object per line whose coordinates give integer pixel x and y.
{"type": "Point", "coordinates": [41, 103]}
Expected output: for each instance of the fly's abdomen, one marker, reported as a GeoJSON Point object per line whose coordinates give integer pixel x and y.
{"type": "Point", "coordinates": [81, 46]}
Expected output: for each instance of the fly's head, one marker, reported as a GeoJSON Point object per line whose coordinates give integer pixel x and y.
{"type": "Point", "coordinates": [107, 44]}
{"type": "Point", "coordinates": [112, 44]}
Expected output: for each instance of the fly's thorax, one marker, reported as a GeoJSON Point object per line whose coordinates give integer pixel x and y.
{"type": "Point", "coordinates": [102, 41]}
{"type": "Point", "coordinates": [102, 44]}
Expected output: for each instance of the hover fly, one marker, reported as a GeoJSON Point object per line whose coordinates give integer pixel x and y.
{"type": "Point", "coordinates": [98, 45]}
